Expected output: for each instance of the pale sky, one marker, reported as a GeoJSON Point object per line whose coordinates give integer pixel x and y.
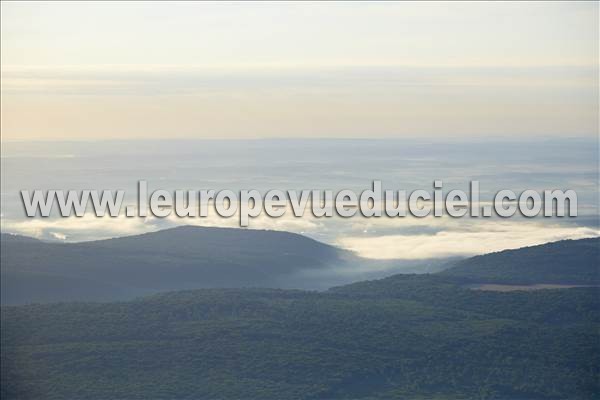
{"type": "Point", "coordinates": [258, 70]}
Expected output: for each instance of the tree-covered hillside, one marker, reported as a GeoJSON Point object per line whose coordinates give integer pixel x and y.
{"type": "Point", "coordinates": [567, 261]}
{"type": "Point", "coordinates": [428, 340]}
{"type": "Point", "coordinates": [405, 336]}
{"type": "Point", "coordinates": [188, 257]}
{"type": "Point", "coordinates": [172, 259]}
{"type": "Point", "coordinates": [178, 259]}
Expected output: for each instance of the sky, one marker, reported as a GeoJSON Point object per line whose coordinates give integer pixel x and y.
{"type": "Point", "coordinates": [152, 70]}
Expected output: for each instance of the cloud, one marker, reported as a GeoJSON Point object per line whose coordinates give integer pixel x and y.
{"type": "Point", "coordinates": [406, 238]}
{"type": "Point", "coordinates": [341, 101]}
{"type": "Point", "coordinates": [156, 80]}
{"type": "Point", "coordinates": [58, 235]}
{"type": "Point", "coordinates": [90, 227]}
{"type": "Point", "coordinates": [489, 237]}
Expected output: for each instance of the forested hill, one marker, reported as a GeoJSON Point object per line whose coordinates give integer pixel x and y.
{"type": "Point", "coordinates": [431, 340]}
{"type": "Point", "coordinates": [196, 257]}
{"type": "Point", "coordinates": [568, 262]}
{"type": "Point", "coordinates": [172, 259]}
{"type": "Point", "coordinates": [564, 262]}
{"type": "Point", "coordinates": [187, 257]}
{"type": "Point", "coordinates": [406, 336]}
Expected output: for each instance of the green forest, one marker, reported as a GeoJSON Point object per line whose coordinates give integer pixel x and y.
{"type": "Point", "coordinates": [428, 336]}
{"type": "Point", "coordinates": [417, 337]}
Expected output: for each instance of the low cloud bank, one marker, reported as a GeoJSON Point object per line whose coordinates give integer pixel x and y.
{"type": "Point", "coordinates": [379, 238]}
{"type": "Point", "coordinates": [488, 238]}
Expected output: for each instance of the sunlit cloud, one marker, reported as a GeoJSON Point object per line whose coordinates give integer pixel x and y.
{"type": "Point", "coordinates": [488, 237]}
{"type": "Point", "coordinates": [406, 238]}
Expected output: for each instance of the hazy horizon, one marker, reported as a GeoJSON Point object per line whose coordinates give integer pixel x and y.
{"type": "Point", "coordinates": [285, 94]}
{"type": "Point", "coordinates": [333, 164]}
{"type": "Point", "coordinates": [302, 70]}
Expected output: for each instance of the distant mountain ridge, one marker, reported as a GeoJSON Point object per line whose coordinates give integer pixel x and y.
{"type": "Point", "coordinates": [173, 259]}
{"type": "Point", "coordinates": [568, 262]}
{"type": "Point", "coordinates": [186, 257]}
{"type": "Point", "coordinates": [198, 257]}
{"type": "Point", "coordinates": [405, 336]}
{"type": "Point", "coordinates": [565, 262]}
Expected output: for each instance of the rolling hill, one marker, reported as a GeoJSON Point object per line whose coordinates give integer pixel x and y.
{"type": "Point", "coordinates": [563, 262]}
{"type": "Point", "coordinates": [405, 336]}
{"type": "Point", "coordinates": [195, 257]}
{"type": "Point", "coordinates": [567, 262]}
{"type": "Point", "coordinates": [432, 339]}
{"type": "Point", "coordinates": [177, 259]}
{"type": "Point", "coordinates": [173, 259]}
